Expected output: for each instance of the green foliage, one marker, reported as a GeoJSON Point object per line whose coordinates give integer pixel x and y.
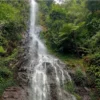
{"type": "Point", "coordinates": [57, 13]}
{"type": "Point", "coordinates": [93, 71]}
{"type": "Point", "coordinates": [8, 13]}
{"type": "Point", "coordinates": [79, 78]}
{"type": "Point", "coordinates": [10, 17]}
{"type": "Point", "coordinates": [12, 57]}
{"type": "Point", "coordinates": [3, 41]}
{"type": "Point", "coordinates": [93, 24]}
{"type": "Point", "coordinates": [2, 50]}
{"type": "Point", "coordinates": [69, 86]}
{"type": "Point", "coordinates": [6, 79]}
{"type": "Point", "coordinates": [71, 27]}
{"type": "Point", "coordinates": [94, 59]}
{"type": "Point", "coordinates": [6, 71]}
{"type": "Point", "coordinates": [93, 5]}
{"type": "Point", "coordinates": [6, 76]}
{"type": "Point", "coordinates": [13, 22]}
{"type": "Point", "coordinates": [13, 17]}
{"type": "Point", "coordinates": [63, 23]}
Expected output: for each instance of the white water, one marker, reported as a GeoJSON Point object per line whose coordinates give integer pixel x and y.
{"type": "Point", "coordinates": [46, 73]}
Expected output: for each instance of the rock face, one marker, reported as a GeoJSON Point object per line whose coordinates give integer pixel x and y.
{"type": "Point", "coordinates": [14, 93]}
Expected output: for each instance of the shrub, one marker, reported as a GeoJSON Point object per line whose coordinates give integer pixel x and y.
{"type": "Point", "coordinates": [79, 78]}
{"type": "Point", "coordinates": [93, 71]}
{"type": "Point", "coordinates": [94, 74]}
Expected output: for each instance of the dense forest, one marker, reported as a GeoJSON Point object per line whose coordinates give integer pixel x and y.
{"type": "Point", "coordinates": [13, 24]}
{"type": "Point", "coordinates": [71, 31]}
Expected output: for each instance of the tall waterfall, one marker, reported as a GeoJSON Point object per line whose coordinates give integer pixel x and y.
{"type": "Point", "coordinates": [46, 74]}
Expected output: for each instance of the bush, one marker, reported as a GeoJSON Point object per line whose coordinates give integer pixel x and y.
{"type": "Point", "coordinates": [93, 71]}
{"type": "Point", "coordinates": [94, 74]}
{"type": "Point", "coordinates": [79, 78]}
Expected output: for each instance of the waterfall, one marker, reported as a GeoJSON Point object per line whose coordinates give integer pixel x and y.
{"type": "Point", "coordinates": [46, 73]}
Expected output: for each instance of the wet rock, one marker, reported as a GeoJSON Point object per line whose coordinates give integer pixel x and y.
{"type": "Point", "coordinates": [49, 68]}
{"type": "Point", "coordinates": [14, 93]}
{"type": "Point", "coordinates": [50, 71]}
{"type": "Point", "coordinates": [68, 96]}
{"type": "Point", "coordinates": [53, 92]}
{"type": "Point", "coordinates": [22, 79]}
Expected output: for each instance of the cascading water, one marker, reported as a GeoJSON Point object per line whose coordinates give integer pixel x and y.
{"type": "Point", "coordinates": [46, 74]}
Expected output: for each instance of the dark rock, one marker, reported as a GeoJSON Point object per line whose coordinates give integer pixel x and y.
{"type": "Point", "coordinates": [49, 67]}
{"type": "Point", "coordinates": [53, 92]}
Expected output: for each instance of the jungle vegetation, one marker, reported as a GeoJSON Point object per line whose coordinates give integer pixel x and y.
{"type": "Point", "coordinates": [70, 29]}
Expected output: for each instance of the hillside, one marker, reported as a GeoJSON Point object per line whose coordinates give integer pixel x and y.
{"type": "Point", "coordinates": [70, 31]}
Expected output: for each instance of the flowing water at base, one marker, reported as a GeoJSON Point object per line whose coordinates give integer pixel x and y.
{"type": "Point", "coordinates": [46, 73]}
